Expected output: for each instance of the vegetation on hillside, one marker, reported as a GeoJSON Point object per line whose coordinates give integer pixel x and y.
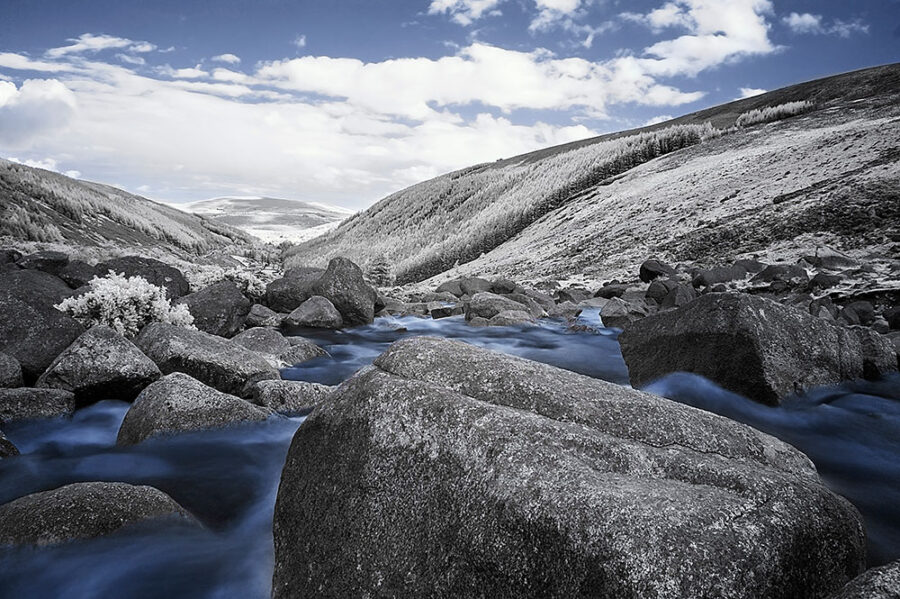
{"type": "Point", "coordinates": [768, 114]}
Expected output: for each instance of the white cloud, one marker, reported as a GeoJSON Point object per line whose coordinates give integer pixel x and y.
{"type": "Point", "coordinates": [749, 92]}
{"type": "Point", "coordinates": [48, 164]}
{"type": "Point", "coordinates": [465, 12]}
{"type": "Point", "coordinates": [300, 41]}
{"type": "Point", "coordinates": [185, 73]}
{"type": "Point", "coordinates": [88, 42]}
{"type": "Point", "coordinates": [135, 60]}
{"type": "Point", "coordinates": [39, 107]}
{"type": "Point", "coordinates": [229, 76]}
{"type": "Point", "coordinates": [807, 23]}
{"type": "Point", "coordinates": [227, 58]}
{"type": "Point", "coordinates": [804, 23]}
{"type": "Point", "coordinates": [24, 63]}
{"type": "Point", "coordinates": [657, 120]}
{"type": "Point", "coordinates": [847, 28]}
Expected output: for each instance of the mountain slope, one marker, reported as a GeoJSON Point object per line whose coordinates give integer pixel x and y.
{"type": "Point", "coordinates": [553, 213]}
{"type": "Point", "coordinates": [271, 219]}
{"type": "Point", "coordinates": [40, 205]}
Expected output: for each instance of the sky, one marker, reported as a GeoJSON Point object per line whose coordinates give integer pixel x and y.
{"type": "Point", "coordinates": [346, 101]}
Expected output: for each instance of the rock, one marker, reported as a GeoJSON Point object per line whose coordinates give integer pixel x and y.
{"type": "Point", "coordinates": [612, 290]}
{"type": "Point", "coordinates": [49, 262]}
{"type": "Point", "coordinates": [505, 286]}
{"type": "Point", "coordinates": [344, 285]}
{"type": "Point", "coordinates": [316, 312]}
{"type": "Point", "coordinates": [308, 273]}
{"type": "Point", "coordinates": [301, 352]}
{"type": "Point", "coordinates": [573, 294]}
{"type": "Point", "coordinates": [450, 287]}
{"type": "Point", "coordinates": [215, 361]}
{"type": "Point", "coordinates": [219, 309]}
{"type": "Point", "coordinates": [478, 321]}
{"type": "Point", "coordinates": [816, 306]}
{"type": "Point", "coordinates": [618, 313]}
{"type": "Point", "coordinates": [720, 274]}
{"type": "Point", "coordinates": [566, 310]}
{"type": "Point", "coordinates": [33, 332]}
{"type": "Point", "coordinates": [830, 259]}
{"type": "Point", "coordinates": [9, 256]}
{"type": "Point", "coordinates": [284, 295]}
{"type": "Point", "coordinates": [823, 281]}
{"type": "Point", "coordinates": [750, 265]}
{"type": "Point", "coordinates": [791, 274]}
{"type": "Point", "coordinates": [260, 316]}
{"type": "Point", "coordinates": [894, 339]}
{"type": "Point", "coordinates": [25, 403]}
{"type": "Point", "coordinates": [653, 269]}
{"type": "Point", "coordinates": [451, 471]}
{"type": "Point", "coordinates": [393, 306]}
{"type": "Point", "coordinates": [892, 315]}
{"type": "Point", "coordinates": [178, 403]}
{"type": "Point", "coordinates": [511, 318]}
{"type": "Point", "coordinates": [77, 274]}
{"type": "Point", "coordinates": [7, 447]}
{"type": "Point", "coordinates": [751, 346]}
{"type": "Point", "coordinates": [440, 296]}
{"type": "Point", "coordinates": [263, 340]}
{"type": "Point", "coordinates": [544, 299]}
{"type": "Point", "coordinates": [680, 295]}
{"type": "Point", "coordinates": [473, 285]}
{"type": "Point", "coordinates": [294, 398]}
{"type": "Point", "coordinates": [84, 511]}
{"type": "Point", "coordinates": [534, 308]}
{"type": "Point", "coordinates": [438, 313]}
{"type": "Point", "coordinates": [100, 364]}
{"type": "Point", "coordinates": [488, 305]}
{"type": "Point", "coordinates": [31, 285]}
{"type": "Point", "coordinates": [153, 271]}
{"type": "Point", "coordinates": [859, 312]}
{"type": "Point", "coordinates": [659, 289]}
{"type": "Point", "coordinates": [877, 583]}
{"type": "Point", "coordinates": [10, 372]}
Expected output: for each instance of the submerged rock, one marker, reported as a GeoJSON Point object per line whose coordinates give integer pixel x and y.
{"type": "Point", "coordinates": [290, 397]}
{"type": "Point", "coordinates": [100, 364]}
{"type": "Point", "coordinates": [83, 511]}
{"type": "Point", "coordinates": [509, 318]}
{"type": "Point", "coordinates": [153, 271]}
{"type": "Point", "coordinates": [344, 285]}
{"type": "Point", "coordinates": [179, 403]}
{"type": "Point", "coordinates": [447, 470]}
{"type": "Point", "coordinates": [10, 372]}
{"type": "Point", "coordinates": [316, 312]}
{"type": "Point", "coordinates": [487, 305]}
{"type": "Point", "coordinates": [218, 362]}
{"type": "Point", "coordinates": [26, 403]}
{"type": "Point", "coordinates": [752, 346]}
{"type": "Point", "coordinates": [219, 309]}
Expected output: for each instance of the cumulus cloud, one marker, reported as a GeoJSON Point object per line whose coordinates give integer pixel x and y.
{"type": "Point", "coordinates": [465, 12]}
{"type": "Point", "coordinates": [808, 23]}
{"type": "Point", "coordinates": [91, 43]}
{"type": "Point", "coordinates": [749, 92]}
{"type": "Point", "coordinates": [38, 107]}
{"type": "Point", "coordinates": [185, 73]}
{"type": "Point", "coordinates": [227, 58]}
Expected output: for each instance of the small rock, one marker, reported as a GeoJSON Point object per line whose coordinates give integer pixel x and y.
{"type": "Point", "coordinates": [438, 313]}
{"type": "Point", "coordinates": [26, 403]}
{"type": "Point", "coordinates": [316, 312]}
{"type": "Point", "coordinates": [219, 309]}
{"type": "Point", "coordinates": [892, 316]}
{"type": "Point", "coordinates": [294, 398]}
{"type": "Point", "coordinates": [612, 290]}
{"type": "Point", "coordinates": [179, 403]}
{"type": "Point", "coordinates": [440, 296]}
{"type": "Point", "coordinates": [50, 262]}
{"type": "Point", "coordinates": [830, 259]}
{"type": "Point", "coordinates": [450, 287]}
{"type": "Point", "coordinates": [153, 271]}
{"type": "Point", "coordinates": [659, 289]}
{"type": "Point", "coordinates": [572, 294]}
{"type": "Point", "coordinates": [478, 321]}
{"type": "Point", "coordinates": [750, 265]}
{"type": "Point", "coordinates": [83, 511]}
{"type": "Point", "coordinates": [790, 274]}
{"type": "Point", "coordinates": [568, 309]}
{"type": "Point", "coordinates": [720, 274]}
{"type": "Point", "coordinates": [859, 312]}
{"type": "Point", "coordinates": [653, 269]}
{"type": "Point", "coordinates": [505, 286]}
{"type": "Point", "coordinates": [509, 318]}
{"type": "Point", "coordinates": [261, 316]}
{"type": "Point", "coordinates": [10, 372]}
{"type": "Point", "coordinates": [473, 285]}
{"type": "Point", "coordinates": [544, 299]}
{"type": "Point", "coordinates": [823, 281]}
{"type": "Point", "coordinates": [9, 256]}
{"type": "Point", "coordinates": [680, 295]}
{"type": "Point", "coordinates": [488, 305]}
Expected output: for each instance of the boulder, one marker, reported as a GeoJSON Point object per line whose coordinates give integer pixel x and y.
{"type": "Point", "coordinates": [824, 281]}
{"type": "Point", "coordinates": [618, 313]}
{"type": "Point", "coordinates": [443, 312]}
{"type": "Point", "coordinates": [678, 296]}
{"type": "Point", "coordinates": [472, 285]}
{"type": "Point", "coordinates": [877, 583]}
{"type": "Point", "coordinates": [100, 364]}
{"type": "Point", "coordinates": [260, 316]}
{"type": "Point", "coordinates": [510, 318]}
{"type": "Point", "coordinates": [33, 331]}
{"type": "Point", "coordinates": [653, 269]}
{"type": "Point", "coordinates": [49, 261]}
{"type": "Point", "coordinates": [27, 403]}
{"type": "Point", "coordinates": [153, 271]}
{"type": "Point", "coordinates": [453, 287]}
{"type": "Point", "coordinates": [488, 305]}
{"type": "Point", "coordinates": [31, 285]}
{"type": "Point", "coordinates": [263, 340]}
{"type": "Point", "coordinates": [440, 296]}
{"type": "Point", "coordinates": [447, 470]}
{"type": "Point", "coordinates": [7, 447]}
{"type": "Point", "coordinates": [215, 361]}
{"type": "Point", "coordinates": [719, 274]}
{"type": "Point", "coordinates": [219, 309]}
{"type": "Point", "coordinates": [294, 398]}
{"type": "Point", "coordinates": [9, 256]}
{"type": "Point", "coordinates": [285, 294]}
{"type": "Point", "coordinates": [344, 285]}
{"type": "Point", "coordinates": [532, 307]}
{"type": "Point", "coordinates": [612, 290]}
{"type": "Point", "coordinates": [752, 346]}
{"type": "Point", "coordinates": [301, 350]}
{"type": "Point", "coordinates": [750, 265]}
{"type": "Point", "coordinates": [316, 312]}
{"type": "Point", "coordinates": [830, 259]}
{"type": "Point", "coordinates": [790, 274]}
{"type": "Point", "coordinates": [892, 316]}
{"type": "Point", "coordinates": [659, 289]}
{"type": "Point", "coordinates": [10, 372]}
{"type": "Point", "coordinates": [858, 312]}
{"type": "Point", "coordinates": [178, 403]}
{"type": "Point", "coordinates": [544, 299]}
{"type": "Point", "coordinates": [84, 511]}
{"type": "Point", "coordinates": [566, 310]}
{"type": "Point", "coordinates": [77, 274]}
{"type": "Point", "coordinates": [572, 294]}
{"type": "Point", "coordinates": [505, 286]}
{"type": "Point", "coordinates": [304, 272]}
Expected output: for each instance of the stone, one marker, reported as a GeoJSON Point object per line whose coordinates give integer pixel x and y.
{"type": "Point", "coordinates": [680, 295]}
{"type": "Point", "coordinates": [10, 372]}
{"type": "Point", "coordinates": [100, 364]}
{"type": "Point", "coordinates": [27, 403]}
{"type": "Point", "coordinates": [153, 271]}
{"type": "Point", "coordinates": [750, 265]}
{"type": "Point", "coordinates": [219, 309]}
{"type": "Point", "coordinates": [285, 294]}
{"type": "Point", "coordinates": [179, 403]}
{"type": "Point", "coordinates": [316, 312]}
{"type": "Point", "coordinates": [535, 309]}
{"type": "Point", "coordinates": [84, 511]}
{"type": "Point", "coordinates": [9, 256]}
{"type": "Point", "coordinates": [304, 272]}
{"type": "Point", "coordinates": [453, 287]}
{"type": "Point", "coordinates": [50, 261]}
{"type": "Point", "coordinates": [215, 361]}
{"type": "Point", "coordinates": [7, 448]}
{"type": "Point", "coordinates": [792, 274]}
{"type": "Point", "coordinates": [566, 310]}
{"type": "Point", "coordinates": [831, 259]}
{"type": "Point", "coordinates": [612, 290]}
{"type": "Point", "coordinates": [440, 296]}
{"type": "Point", "coordinates": [505, 286]}
{"type": "Point", "coordinates": [487, 305]}
{"type": "Point", "coordinates": [653, 269]}
{"type": "Point", "coordinates": [877, 583]}
{"type": "Point", "coordinates": [824, 281]}
{"type": "Point", "coordinates": [294, 398]}
{"type": "Point", "coordinates": [478, 321]}
{"type": "Point", "coordinates": [344, 285]}
{"type": "Point", "coordinates": [33, 331]}
{"type": "Point", "coordinates": [471, 286]}
{"type": "Point", "coordinates": [446, 470]}
{"type": "Point", "coordinates": [617, 313]}
{"type": "Point", "coordinates": [544, 299]}
{"type": "Point", "coordinates": [301, 352]}
{"type": "Point", "coordinates": [659, 289]}
{"type": "Point", "coordinates": [511, 318]}
{"type": "Point", "coordinates": [263, 340]}
{"type": "Point", "coordinates": [444, 312]}
{"type": "Point", "coordinates": [892, 316]}
{"type": "Point", "coordinates": [752, 346]}
{"type": "Point", "coordinates": [35, 285]}
{"type": "Point", "coordinates": [77, 274]}
{"type": "Point", "coordinates": [261, 316]}
{"type": "Point", "coordinates": [859, 312]}
{"type": "Point", "coordinates": [573, 294]}
{"type": "Point", "coordinates": [719, 274]}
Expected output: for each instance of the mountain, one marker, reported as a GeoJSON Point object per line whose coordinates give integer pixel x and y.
{"type": "Point", "coordinates": [811, 163]}
{"type": "Point", "coordinates": [271, 219]}
{"type": "Point", "coordinates": [37, 205]}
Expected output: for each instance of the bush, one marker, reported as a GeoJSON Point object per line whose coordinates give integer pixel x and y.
{"type": "Point", "coordinates": [250, 284]}
{"type": "Point", "coordinates": [773, 113]}
{"type": "Point", "coordinates": [126, 304]}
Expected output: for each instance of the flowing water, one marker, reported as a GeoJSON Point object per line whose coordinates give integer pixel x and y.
{"type": "Point", "coordinates": [228, 478]}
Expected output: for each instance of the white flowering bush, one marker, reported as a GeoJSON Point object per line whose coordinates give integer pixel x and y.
{"type": "Point", "coordinates": [250, 284]}
{"type": "Point", "coordinates": [125, 304]}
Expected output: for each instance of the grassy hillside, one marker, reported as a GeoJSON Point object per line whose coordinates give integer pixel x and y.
{"type": "Point", "coordinates": [472, 215]}
{"type": "Point", "coordinates": [42, 206]}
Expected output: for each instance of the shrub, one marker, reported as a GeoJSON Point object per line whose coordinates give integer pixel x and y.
{"type": "Point", "coordinates": [250, 283]}
{"type": "Point", "coordinates": [773, 113]}
{"type": "Point", "coordinates": [126, 304]}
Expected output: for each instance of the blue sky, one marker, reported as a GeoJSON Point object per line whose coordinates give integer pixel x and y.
{"type": "Point", "coordinates": [346, 101]}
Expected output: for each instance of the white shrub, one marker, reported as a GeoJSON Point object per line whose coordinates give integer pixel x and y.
{"type": "Point", "coordinates": [773, 113]}
{"type": "Point", "coordinates": [126, 304]}
{"type": "Point", "coordinates": [250, 283]}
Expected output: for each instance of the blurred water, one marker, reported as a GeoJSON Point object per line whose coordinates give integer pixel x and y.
{"type": "Point", "coordinates": [229, 478]}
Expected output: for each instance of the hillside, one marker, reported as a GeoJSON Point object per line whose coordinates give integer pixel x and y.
{"type": "Point", "coordinates": [272, 220]}
{"type": "Point", "coordinates": [37, 205]}
{"type": "Point", "coordinates": [694, 188]}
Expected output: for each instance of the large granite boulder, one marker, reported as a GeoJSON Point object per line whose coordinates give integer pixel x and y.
{"type": "Point", "coordinates": [26, 403]}
{"type": "Point", "coordinates": [285, 294]}
{"type": "Point", "coordinates": [452, 287]}
{"type": "Point", "coordinates": [7, 447]}
{"type": "Point", "coordinates": [77, 273]}
{"type": "Point", "coordinates": [33, 331]}
{"type": "Point", "coordinates": [218, 362]}
{"type": "Point", "coordinates": [447, 470]}
{"type": "Point", "coordinates": [510, 318]}
{"type": "Point", "coordinates": [877, 583]}
{"type": "Point", "coordinates": [344, 285]}
{"type": "Point", "coordinates": [653, 269]}
{"type": "Point", "coordinates": [100, 364]}
{"type": "Point", "coordinates": [84, 511]}
{"type": "Point", "coordinates": [10, 372]}
{"type": "Point", "coordinates": [619, 313]}
{"type": "Point", "coordinates": [260, 316]}
{"type": "Point", "coordinates": [290, 397]}
{"type": "Point", "coordinates": [487, 305]}
{"type": "Point", "coordinates": [752, 346]}
{"type": "Point", "coordinates": [35, 285]}
{"type": "Point", "coordinates": [48, 261]}
{"type": "Point", "coordinates": [178, 403]}
{"type": "Point", "coordinates": [153, 271]}
{"type": "Point", "coordinates": [316, 312]}
{"type": "Point", "coordinates": [263, 340]}
{"type": "Point", "coordinates": [219, 309]}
